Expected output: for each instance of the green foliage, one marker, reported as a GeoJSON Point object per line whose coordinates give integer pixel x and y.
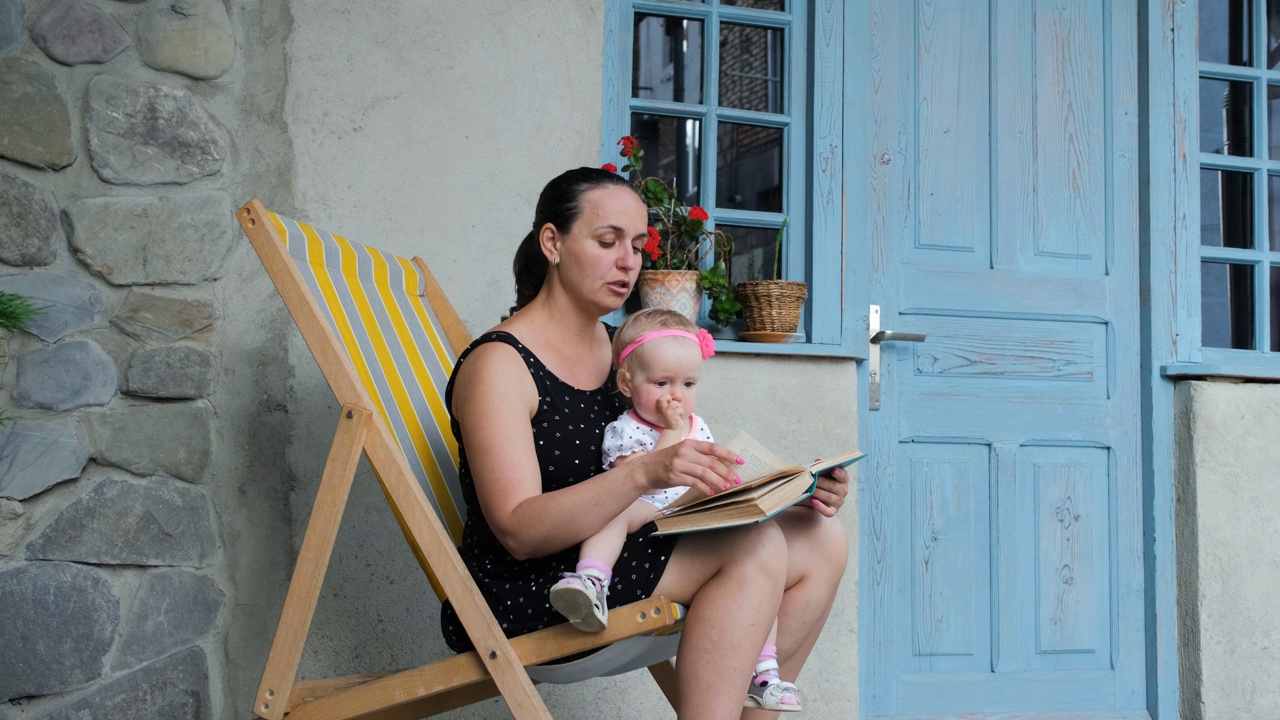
{"type": "Point", "coordinates": [777, 252]}
{"type": "Point", "coordinates": [715, 283]}
{"type": "Point", "coordinates": [16, 313]}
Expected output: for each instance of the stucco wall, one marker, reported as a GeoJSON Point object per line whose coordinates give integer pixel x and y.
{"type": "Point", "coordinates": [429, 128]}
{"type": "Point", "coordinates": [1228, 549]}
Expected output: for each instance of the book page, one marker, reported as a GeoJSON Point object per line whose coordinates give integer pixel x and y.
{"type": "Point", "coordinates": [760, 463]}
{"type": "Point", "coordinates": [759, 466]}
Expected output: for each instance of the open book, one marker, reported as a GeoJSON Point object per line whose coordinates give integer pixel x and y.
{"type": "Point", "coordinates": [769, 486]}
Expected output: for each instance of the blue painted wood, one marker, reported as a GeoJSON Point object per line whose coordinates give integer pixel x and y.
{"type": "Point", "coordinates": [1171, 312]}
{"type": "Point", "coordinates": [826, 228]}
{"type": "Point", "coordinates": [946, 499]}
{"type": "Point", "coordinates": [1002, 508]}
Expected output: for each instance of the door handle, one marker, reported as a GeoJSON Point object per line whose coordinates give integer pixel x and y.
{"type": "Point", "coordinates": [881, 336]}
{"type": "Point", "coordinates": [895, 336]}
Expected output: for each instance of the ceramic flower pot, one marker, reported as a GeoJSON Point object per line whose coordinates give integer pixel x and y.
{"type": "Point", "coordinates": [677, 290]}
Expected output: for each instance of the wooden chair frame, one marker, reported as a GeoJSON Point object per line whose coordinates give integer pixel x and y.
{"type": "Point", "coordinates": [497, 665]}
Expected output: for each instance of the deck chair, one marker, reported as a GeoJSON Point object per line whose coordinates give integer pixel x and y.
{"type": "Point", "coordinates": [386, 339]}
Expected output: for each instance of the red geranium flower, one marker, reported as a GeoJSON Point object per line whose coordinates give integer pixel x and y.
{"type": "Point", "coordinates": [651, 246]}
{"type": "Point", "coordinates": [610, 167]}
{"type": "Point", "coordinates": [697, 213]}
{"type": "Point", "coordinates": [628, 144]}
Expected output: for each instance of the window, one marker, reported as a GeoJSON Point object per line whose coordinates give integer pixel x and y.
{"type": "Point", "coordinates": [1239, 95]}
{"type": "Point", "coordinates": [721, 96]}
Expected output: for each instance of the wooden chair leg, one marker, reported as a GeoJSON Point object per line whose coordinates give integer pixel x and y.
{"type": "Point", "coordinates": [664, 673]}
{"type": "Point", "coordinates": [313, 561]}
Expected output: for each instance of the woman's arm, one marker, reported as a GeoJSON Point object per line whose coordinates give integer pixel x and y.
{"type": "Point", "coordinates": [494, 399]}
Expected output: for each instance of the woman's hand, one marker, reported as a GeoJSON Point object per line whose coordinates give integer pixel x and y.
{"type": "Point", "coordinates": [832, 489]}
{"type": "Point", "coordinates": [703, 466]}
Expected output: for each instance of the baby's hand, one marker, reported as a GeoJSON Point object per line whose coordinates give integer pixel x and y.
{"type": "Point", "coordinates": [673, 415]}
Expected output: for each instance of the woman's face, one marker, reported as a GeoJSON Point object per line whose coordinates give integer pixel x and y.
{"type": "Point", "coordinates": [600, 255]}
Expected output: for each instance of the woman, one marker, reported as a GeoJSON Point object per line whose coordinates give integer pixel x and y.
{"type": "Point", "coordinates": [530, 400]}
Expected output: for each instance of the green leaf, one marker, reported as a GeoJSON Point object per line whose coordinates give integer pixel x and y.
{"type": "Point", "coordinates": [654, 192]}
{"type": "Point", "coordinates": [16, 312]}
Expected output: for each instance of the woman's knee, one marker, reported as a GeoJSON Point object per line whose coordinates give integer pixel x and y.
{"type": "Point", "coordinates": [817, 546]}
{"type": "Point", "coordinates": [764, 543]}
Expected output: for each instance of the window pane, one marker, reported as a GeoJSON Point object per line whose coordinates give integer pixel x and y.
{"type": "Point", "coordinates": [753, 252]}
{"type": "Point", "coordinates": [749, 172]}
{"type": "Point", "coordinates": [1273, 27]}
{"type": "Point", "coordinates": [779, 5]}
{"type": "Point", "coordinates": [1225, 31]}
{"type": "Point", "coordinates": [1226, 306]}
{"type": "Point", "coordinates": [751, 68]}
{"type": "Point", "coordinates": [672, 151]}
{"type": "Point", "coordinates": [1275, 309]}
{"type": "Point", "coordinates": [1273, 203]}
{"type": "Point", "coordinates": [1226, 117]}
{"type": "Point", "coordinates": [666, 62]}
{"type": "Point", "coordinates": [1273, 121]}
{"type": "Point", "coordinates": [1226, 209]}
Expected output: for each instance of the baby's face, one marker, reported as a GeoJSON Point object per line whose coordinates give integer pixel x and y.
{"type": "Point", "coordinates": [667, 367]}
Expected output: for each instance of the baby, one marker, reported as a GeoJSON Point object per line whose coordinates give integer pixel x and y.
{"type": "Point", "coordinates": [659, 356]}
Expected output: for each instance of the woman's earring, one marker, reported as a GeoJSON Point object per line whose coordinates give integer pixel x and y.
{"type": "Point", "coordinates": [555, 259]}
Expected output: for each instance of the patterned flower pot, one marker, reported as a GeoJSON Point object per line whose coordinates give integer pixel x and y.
{"type": "Point", "coordinates": [677, 290]}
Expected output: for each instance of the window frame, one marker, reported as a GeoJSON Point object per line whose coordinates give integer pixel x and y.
{"type": "Point", "coordinates": [815, 248]}
{"type": "Point", "coordinates": [1193, 358]}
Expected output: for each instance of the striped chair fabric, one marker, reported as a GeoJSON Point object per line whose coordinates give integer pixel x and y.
{"type": "Point", "coordinates": [375, 302]}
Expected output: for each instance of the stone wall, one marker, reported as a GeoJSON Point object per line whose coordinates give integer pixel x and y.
{"type": "Point", "coordinates": [129, 131]}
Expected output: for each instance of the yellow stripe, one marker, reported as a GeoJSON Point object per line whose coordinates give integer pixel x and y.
{"type": "Point", "coordinates": [349, 269]}
{"type": "Point", "coordinates": [280, 227]}
{"type": "Point", "coordinates": [342, 325]}
{"type": "Point", "coordinates": [399, 390]}
{"type": "Point", "coordinates": [315, 255]}
{"type": "Point", "coordinates": [437, 345]}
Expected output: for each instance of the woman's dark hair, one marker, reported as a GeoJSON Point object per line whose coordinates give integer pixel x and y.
{"type": "Point", "coordinates": [559, 204]}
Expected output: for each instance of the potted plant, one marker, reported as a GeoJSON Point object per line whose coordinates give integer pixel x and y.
{"type": "Point", "coordinates": [771, 308]}
{"type": "Point", "coordinates": [679, 243]}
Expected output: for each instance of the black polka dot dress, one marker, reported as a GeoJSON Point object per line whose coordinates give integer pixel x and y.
{"type": "Point", "coordinates": [568, 429]}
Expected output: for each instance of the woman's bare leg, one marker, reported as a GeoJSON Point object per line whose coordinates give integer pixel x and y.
{"type": "Point", "coordinates": [817, 553]}
{"type": "Point", "coordinates": [732, 605]}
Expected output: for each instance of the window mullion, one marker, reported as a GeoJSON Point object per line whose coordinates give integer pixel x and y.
{"type": "Point", "coordinates": [711, 96]}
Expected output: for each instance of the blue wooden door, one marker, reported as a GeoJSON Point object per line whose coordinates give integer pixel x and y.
{"type": "Point", "coordinates": [1001, 534]}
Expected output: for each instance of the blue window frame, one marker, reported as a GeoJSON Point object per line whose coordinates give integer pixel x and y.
{"type": "Point", "coordinates": [1239, 187]}
{"type": "Point", "coordinates": [738, 101]}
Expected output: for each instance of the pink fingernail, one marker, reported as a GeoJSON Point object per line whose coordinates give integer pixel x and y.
{"type": "Point", "coordinates": [816, 503]}
{"type": "Point", "coordinates": [740, 461]}
{"type": "Point", "coordinates": [737, 480]}
{"type": "Point", "coordinates": [726, 486]}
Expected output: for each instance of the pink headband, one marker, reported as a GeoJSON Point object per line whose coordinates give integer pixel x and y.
{"type": "Point", "coordinates": [703, 338]}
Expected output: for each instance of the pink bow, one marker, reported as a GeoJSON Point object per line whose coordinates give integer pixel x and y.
{"type": "Point", "coordinates": [707, 343]}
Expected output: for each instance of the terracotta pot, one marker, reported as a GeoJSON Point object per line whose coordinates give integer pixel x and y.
{"type": "Point", "coordinates": [677, 290]}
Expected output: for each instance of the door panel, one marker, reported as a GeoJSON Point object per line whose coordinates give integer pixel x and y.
{"type": "Point", "coordinates": [1002, 556]}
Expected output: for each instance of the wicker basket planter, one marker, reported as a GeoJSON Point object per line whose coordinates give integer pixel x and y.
{"type": "Point", "coordinates": [772, 305]}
